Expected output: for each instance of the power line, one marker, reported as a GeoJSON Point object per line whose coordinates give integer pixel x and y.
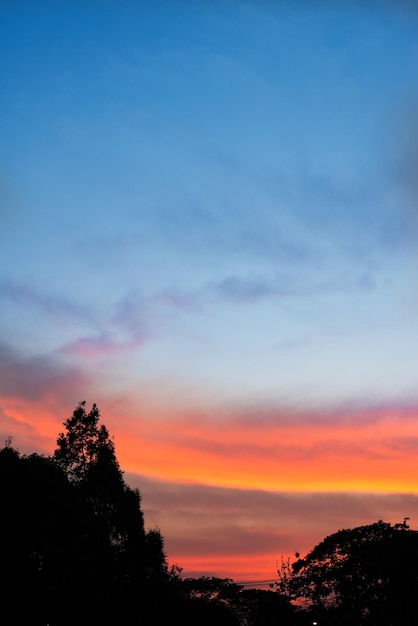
{"type": "Point", "coordinates": [250, 583]}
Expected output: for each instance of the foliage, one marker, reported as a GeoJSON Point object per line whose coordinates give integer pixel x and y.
{"type": "Point", "coordinates": [211, 588]}
{"type": "Point", "coordinates": [365, 575]}
{"type": "Point", "coordinates": [237, 605]}
{"type": "Point", "coordinates": [75, 535]}
{"type": "Point", "coordinates": [86, 454]}
{"type": "Point", "coordinates": [84, 445]}
{"type": "Point", "coordinates": [286, 578]}
{"type": "Point", "coordinates": [209, 600]}
{"type": "Point", "coordinates": [260, 607]}
{"type": "Point", "coordinates": [44, 555]}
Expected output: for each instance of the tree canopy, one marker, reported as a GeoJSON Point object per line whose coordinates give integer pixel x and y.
{"type": "Point", "coordinates": [75, 551]}
{"type": "Point", "coordinates": [75, 533]}
{"type": "Point", "coordinates": [365, 575]}
{"type": "Point", "coordinates": [84, 445]}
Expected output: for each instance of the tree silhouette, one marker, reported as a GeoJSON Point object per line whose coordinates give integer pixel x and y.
{"type": "Point", "coordinates": [133, 565]}
{"type": "Point", "coordinates": [210, 600]}
{"type": "Point", "coordinates": [44, 556]}
{"type": "Point", "coordinates": [75, 551]}
{"type": "Point", "coordinates": [74, 547]}
{"type": "Point", "coordinates": [261, 607]}
{"type": "Point", "coordinates": [85, 444]}
{"type": "Point", "coordinates": [366, 575]}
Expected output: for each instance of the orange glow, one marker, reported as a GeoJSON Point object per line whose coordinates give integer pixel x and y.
{"type": "Point", "coordinates": [373, 453]}
{"type": "Point", "coordinates": [33, 425]}
{"type": "Point", "coordinates": [357, 453]}
{"type": "Point", "coordinates": [367, 455]}
{"type": "Point", "coordinates": [240, 569]}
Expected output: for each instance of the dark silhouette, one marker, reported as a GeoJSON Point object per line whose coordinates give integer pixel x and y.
{"type": "Point", "coordinates": [221, 601]}
{"type": "Point", "coordinates": [46, 564]}
{"type": "Point", "coordinates": [75, 551]}
{"type": "Point", "coordinates": [206, 601]}
{"type": "Point", "coordinates": [85, 445]}
{"type": "Point", "coordinates": [366, 575]}
{"type": "Point", "coordinates": [266, 608]}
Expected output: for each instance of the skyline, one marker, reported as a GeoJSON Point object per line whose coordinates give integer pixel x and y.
{"type": "Point", "coordinates": [208, 228]}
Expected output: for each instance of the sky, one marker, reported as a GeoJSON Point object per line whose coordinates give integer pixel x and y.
{"type": "Point", "coordinates": [208, 227]}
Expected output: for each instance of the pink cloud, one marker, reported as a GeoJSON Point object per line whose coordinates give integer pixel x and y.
{"type": "Point", "coordinates": [99, 347]}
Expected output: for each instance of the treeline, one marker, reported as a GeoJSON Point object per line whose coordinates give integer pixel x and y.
{"type": "Point", "coordinates": [74, 551]}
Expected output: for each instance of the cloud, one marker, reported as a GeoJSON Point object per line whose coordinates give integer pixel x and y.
{"type": "Point", "coordinates": [36, 377]}
{"type": "Point", "coordinates": [135, 321]}
{"type": "Point", "coordinates": [357, 449]}
{"type": "Point", "coordinates": [250, 289]}
{"type": "Point", "coordinates": [99, 347]}
{"type": "Point", "coordinates": [123, 331]}
{"type": "Point", "coordinates": [253, 288]}
{"type": "Point", "coordinates": [26, 296]}
{"type": "Point", "coordinates": [24, 435]}
{"type": "Point", "coordinates": [183, 301]}
{"type": "Point", "coordinates": [37, 393]}
{"type": "Point", "coordinates": [134, 314]}
{"type": "Point", "coordinates": [221, 528]}
{"type": "Point", "coordinates": [233, 488]}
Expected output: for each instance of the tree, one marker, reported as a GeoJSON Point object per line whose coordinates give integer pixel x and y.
{"type": "Point", "coordinates": [86, 453]}
{"type": "Point", "coordinates": [209, 600]}
{"type": "Point", "coordinates": [221, 601]}
{"type": "Point", "coordinates": [85, 444]}
{"type": "Point", "coordinates": [74, 547]}
{"type": "Point", "coordinates": [42, 553]}
{"type": "Point", "coordinates": [261, 607]}
{"type": "Point", "coordinates": [364, 575]}
{"type": "Point", "coordinates": [133, 566]}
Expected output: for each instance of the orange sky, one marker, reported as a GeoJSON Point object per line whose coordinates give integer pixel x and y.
{"type": "Point", "coordinates": [372, 450]}
{"type": "Point", "coordinates": [234, 491]}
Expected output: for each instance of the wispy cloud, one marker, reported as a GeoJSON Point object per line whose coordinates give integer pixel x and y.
{"type": "Point", "coordinates": [293, 450]}
{"type": "Point", "coordinates": [252, 288]}
{"type": "Point", "coordinates": [39, 376]}
{"type": "Point", "coordinates": [187, 301]}
{"type": "Point", "coordinates": [24, 435]}
{"type": "Point", "coordinates": [37, 393]}
{"type": "Point", "coordinates": [217, 529]}
{"type": "Point", "coordinates": [99, 347]}
{"type": "Point", "coordinates": [52, 304]}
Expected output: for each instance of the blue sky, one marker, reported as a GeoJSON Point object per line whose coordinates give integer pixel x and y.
{"type": "Point", "coordinates": [207, 207]}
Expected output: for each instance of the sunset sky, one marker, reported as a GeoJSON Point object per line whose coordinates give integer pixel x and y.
{"type": "Point", "coordinates": [208, 227]}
